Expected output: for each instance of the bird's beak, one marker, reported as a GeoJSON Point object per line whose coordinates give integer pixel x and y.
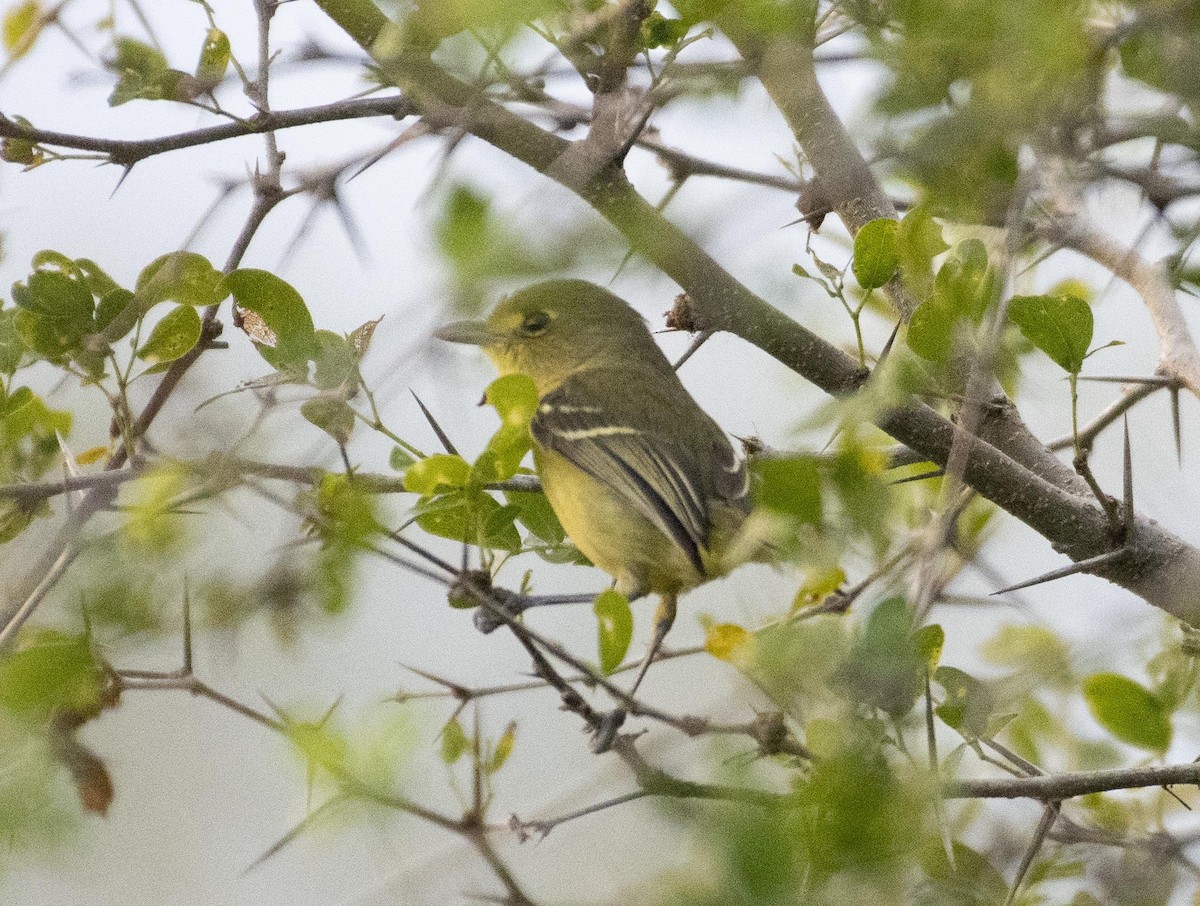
{"type": "Point", "coordinates": [476, 333]}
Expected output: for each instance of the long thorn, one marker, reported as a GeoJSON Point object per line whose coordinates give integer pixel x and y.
{"type": "Point", "coordinates": [1156, 380]}
{"type": "Point", "coordinates": [701, 339]}
{"type": "Point", "coordinates": [187, 629]}
{"type": "Point", "coordinates": [437, 429]}
{"type": "Point", "coordinates": [936, 473]}
{"type": "Point", "coordinates": [1049, 814]}
{"type": "Point", "coordinates": [1128, 480]}
{"type": "Point", "coordinates": [1177, 424]}
{"type": "Point", "coordinates": [1082, 566]}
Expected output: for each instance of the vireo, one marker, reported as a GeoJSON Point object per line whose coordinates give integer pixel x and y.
{"type": "Point", "coordinates": [643, 481]}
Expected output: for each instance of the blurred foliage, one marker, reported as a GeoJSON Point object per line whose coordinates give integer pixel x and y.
{"type": "Point", "coordinates": [849, 666]}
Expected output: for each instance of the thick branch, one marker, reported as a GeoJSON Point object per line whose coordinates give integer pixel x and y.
{"type": "Point", "coordinates": [1056, 787]}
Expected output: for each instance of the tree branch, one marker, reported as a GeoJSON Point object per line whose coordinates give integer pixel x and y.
{"type": "Point", "coordinates": [1056, 787]}
{"type": "Point", "coordinates": [127, 152]}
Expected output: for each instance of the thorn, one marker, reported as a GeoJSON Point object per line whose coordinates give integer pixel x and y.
{"type": "Point", "coordinates": [1177, 424]}
{"type": "Point", "coordinates": [1128, 482]}
{"type": "Point", "coordinates": [437, 429]}
{"type": "Point", "coordinates": [1081, 567]}
{"type": "Point", "coordinates": [936, 473]}
{"type": "Point", "coordinates": [887, 347]}
{"type": "Point", "coordinates": [700, 340]}
{"type": "Point", "coordinates": [128, 168]}
{"type": "Point", "coordinates": [358, 241]}
{"type": "Point", "coordinates": [1156, 379]}
{"type": "Point", "coordinates": [187, 628]}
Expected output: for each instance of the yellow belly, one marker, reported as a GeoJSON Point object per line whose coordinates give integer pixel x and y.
{"type": "Point", "coordinates": [611, 532]}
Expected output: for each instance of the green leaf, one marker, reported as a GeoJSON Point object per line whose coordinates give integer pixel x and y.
{"type": "Point", "coordinates": [1031, 650]}
{"type": "Point", "coordinates": [967, 280]}
{"type": "Point", "coordinates": [536, 514]}
{"type": "Point", "coordinates": [183, 277]}
{"type": "Point", "coordinates": [614, 621]}
{"type": "Point", "coordinates": [142, 72]}
{"type": "Point", "coordinates": [515, 398]}
{"type": "Point", "coordinates": [1060, 326]}
{"type": "Point", "coordinates": [454, 741]}
{"type": "Point", "coordinates": [97, 281]}
{"type": "Point", "coordinates": [968, 704]}
{"type": "Point", "coordinates": [876, 253]}
{"type": "Point", "coordinates": [111, 304]}
{"type": "Point", "coordinates": [400, 459]}
{"type": "Point", "coordinates": [290, 340]}
{"type": "Point", "coordinates": [11, 347]}
{"type": "Point", "coordinates": [930, 640]}
{"type": "Point", "coordinates": [918, 241]}
{"type": "Point", "coordinates": [659, 31]}
{"type": "Point", "coordinates": [336, 365]}
{"type": "Point", "coordinates": [55, 297]}
{"type": "Point", "coordinates": [931, 328]}
{"type": "Point", "coordinates": [331, 414]}
{"type": "Point", "coordinates": [885, 668]}
{"type": "Point", "coordinates": [790, 487]}
{"type": "Point", "coordinates": [504, 748]}
{"type": "Point", "coordinates": [173, 336]}
{"type": "Point", "coordinates": [50, 671]}
{"type": "Point", "coordinates": [1129, 711]}
{"type": "Point", "coordinates": [471, 517]}
{"type": "Point", "coordinates": [214, 58]}
{"type": "Point", "coordinates": [439, 471]}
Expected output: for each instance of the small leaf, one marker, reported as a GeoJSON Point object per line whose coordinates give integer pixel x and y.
{"type": "Point", "coordinates": [1129, 711]}
{"type": "Point", "coordinates": [336, 366]}
{"type": "Point", "coordinates": [1060, 326]}
{"type": "Point", "coordinates": [360, 337]}
{"type": "Point", "coordinates": [183, 277]}
{"type": "Point", "coordinates": [22, 24]}
{"type": "Point", "coordinates": [173, 336]}
{"type": "Point", "coordinates": [537, 515]}
{"type": "Point", "coordinates": [968, 704]}
{"type": "Point", "coordinates": [331, 414]}
{"type": "Point", "coordinates": [51, 670]}
{"type": "Point", "coordinates": [729, 642]}
{"type": "Point", "coordinates": [514, 397]}
{"type": "Point", "coordinates": [400, 459]}
{"type": "Point", "coordinates": [930, 640]}
{"type": "Point", "coordinates": [876, 254]}
{"type": "Point", "coordinates": [214, 58]}
{"type": "Point", "coordinates": [11, 347]}
{"type": "Point", "coordinates": [614, 620]}
{"type": "Point", "coordinates": [504, 748]}
{"type": "Point", "coordinates": [454, 741]}
{"type": "Point", "coordinates": [441, 470]}
{"type": "Point", "coordinates": [291, 339]}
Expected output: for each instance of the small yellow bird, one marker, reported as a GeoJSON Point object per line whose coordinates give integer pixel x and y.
{"type": "Point", "coordinates": [643, 481]}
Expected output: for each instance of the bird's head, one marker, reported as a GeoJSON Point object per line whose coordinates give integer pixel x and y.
{"type": "Point", "coordinates": [551, 330]}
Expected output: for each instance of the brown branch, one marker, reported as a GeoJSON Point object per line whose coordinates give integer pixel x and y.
{"type": "Point", "coordinates": [1057, 787]}
{"type": "Point", "coordinates": [127, 152]}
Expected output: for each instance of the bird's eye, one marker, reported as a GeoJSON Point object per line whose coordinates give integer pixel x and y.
{"type": "Point", "coordinates": [535, 323]}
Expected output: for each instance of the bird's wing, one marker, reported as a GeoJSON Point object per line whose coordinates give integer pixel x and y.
{"type": "Point", "coordinates": [608, 423]}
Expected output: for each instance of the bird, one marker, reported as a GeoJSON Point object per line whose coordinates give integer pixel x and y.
{"type": "Point", "coordinates": [644, 482]}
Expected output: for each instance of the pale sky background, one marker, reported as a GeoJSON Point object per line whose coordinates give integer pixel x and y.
{"type": "Point", "coordinates": [201, 793]}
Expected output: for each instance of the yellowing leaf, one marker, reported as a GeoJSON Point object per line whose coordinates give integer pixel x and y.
{"type": "Point", "coordinates": [728, 642]}
{"type": "Point", "coordinates": [22, 24]}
